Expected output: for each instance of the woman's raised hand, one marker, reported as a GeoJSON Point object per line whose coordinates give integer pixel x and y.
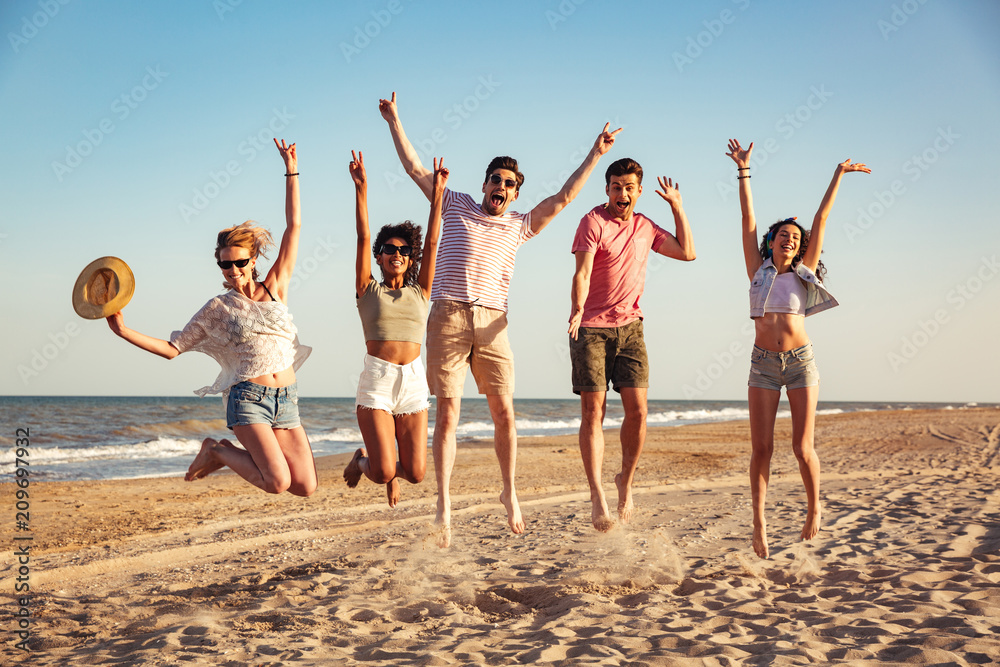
{"type": "Point", "coordinates": [288, 155]}
{"type": "Point", "coordinates": [357, 169]}
{"type": "Point", "coordinates": [740, 157]}
{"type": "Point", "coordinates": [846, 166]}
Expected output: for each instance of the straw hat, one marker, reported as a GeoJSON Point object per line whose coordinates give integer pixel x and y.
{"type": "Point", "coordinates": [103, 288]}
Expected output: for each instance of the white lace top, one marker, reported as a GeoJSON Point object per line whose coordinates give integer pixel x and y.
{"type": "Point", "coordinates": [248, 338]}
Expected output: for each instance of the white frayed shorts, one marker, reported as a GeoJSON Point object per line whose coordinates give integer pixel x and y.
{"type": "Point", "coordinates": [399, 390]}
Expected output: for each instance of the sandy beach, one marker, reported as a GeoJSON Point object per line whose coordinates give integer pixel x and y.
{"type": "Point", "coordinates": [906, 568]}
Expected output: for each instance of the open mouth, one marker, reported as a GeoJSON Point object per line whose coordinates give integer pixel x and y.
{"type": "Point", "coordinates": [497, 200]}
{"type": "Point", "coordinates": [622, 206]}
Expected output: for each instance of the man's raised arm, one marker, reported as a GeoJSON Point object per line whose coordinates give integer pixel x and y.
{"type": "Point", "coordinates": [547, 209]}
{"type": "Point", "coordinates": [421, 175]}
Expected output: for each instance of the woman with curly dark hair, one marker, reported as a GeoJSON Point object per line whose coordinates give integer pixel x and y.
{"type": "Point", "coordinates": [785, 287]}
{"type": "Point", "coordinates": [392, 397]}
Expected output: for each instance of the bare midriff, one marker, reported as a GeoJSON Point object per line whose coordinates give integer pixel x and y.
{"type": "Point", "coordinates": [780, 332]}
{"type": "Point", "coordinates": [280, 379]}
{"type": "Point", "coordinates": [399, 352]}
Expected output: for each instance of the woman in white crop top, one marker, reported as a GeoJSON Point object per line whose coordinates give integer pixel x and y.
{"type": "Point", "coordinates": [249, 331]}
{"type": "Point", "coordinates": [392, 398]}
{"type": "Point", "coordinates": [785, 286]}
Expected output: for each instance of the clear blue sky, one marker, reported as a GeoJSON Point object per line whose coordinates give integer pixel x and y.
{"type": "Point", "coordinates": [121, 120]}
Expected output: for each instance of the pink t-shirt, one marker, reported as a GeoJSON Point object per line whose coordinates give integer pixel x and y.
{"type": "Point", "coordinates": [621, 251]}
{"type": "Point", "coordinates": [475, 259]}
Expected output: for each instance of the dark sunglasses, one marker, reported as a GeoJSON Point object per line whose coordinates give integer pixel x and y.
{"type": "Point", "coordinates": [226, 264]}
{"type": "Point", "coordinates": [495, 180]}
{"type": "Point", "coordinates": [390, 249]}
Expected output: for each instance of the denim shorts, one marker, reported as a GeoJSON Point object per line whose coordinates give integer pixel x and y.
{"type": "Point", "coordinates": [617, 355]}
{"type": "Point", "coordinates": [793, 369]}
{"type": "Point", "coordinates": [252, 403]}
{"type": "Point", "coordinates": [399, 390]}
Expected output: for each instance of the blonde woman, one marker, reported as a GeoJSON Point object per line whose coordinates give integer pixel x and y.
{"type": "Point", "coordinates": [249, 331]}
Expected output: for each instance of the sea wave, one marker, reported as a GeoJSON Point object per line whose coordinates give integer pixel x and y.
{"type": "Point", "coordinates": [158, 448]}
{"type": "Point", "coordinates": [186, 427]}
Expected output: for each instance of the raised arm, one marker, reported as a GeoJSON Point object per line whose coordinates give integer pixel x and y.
{"type": "Point", "coordinates": [811, 257]}
{"type": "Point", "coordinates": [281, 272]}
{"type": "Point", "coordinates": [751, 250]}
{"type": "Point", "coordinates": [157, 346]}
{"type": "Point", "coordinates": [363, 274]}
{"type": "Point", "coordinates": [580, 290]}
{"type": "Point", "coordinates": [404, 149]}
{"type": "Point", "coordinates": [681, 245]}
{"type": "Point", "coordinates": [547, 209]}
{"type": "Point", "coordinates": [440, 181]}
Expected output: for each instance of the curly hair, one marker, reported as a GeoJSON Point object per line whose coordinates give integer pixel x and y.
{"type": "Point", "coordinates": [772, 231]}
{"type": "Point", "coordinates": [410, 233]}
{"type": "Point", "coordinates": [247, 235]}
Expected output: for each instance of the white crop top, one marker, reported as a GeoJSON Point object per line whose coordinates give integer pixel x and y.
{"type": "Point", "coordinates": [787, 295]}
{"type": "Point", "coordinates": [248, 339]}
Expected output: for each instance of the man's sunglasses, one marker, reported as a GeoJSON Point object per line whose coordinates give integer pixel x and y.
{"type": "Point", "coordinates": [495, 180]}
{"type": "Point", "coordinates": [226, 264]}
{"type": "Point", "coordinates": [390, 249]}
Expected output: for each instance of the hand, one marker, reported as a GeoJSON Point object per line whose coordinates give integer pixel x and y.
{"type": "Point", "coordinates": [357, 169]}
{"type": "Point", "coordinates": [288, 155]}
{"type": "Point", "coordinates": [117, 323]}
{"type": "Point", "coordinates": [670, 191]}
{"type": "Point", "coordinates": [574, 322]}
{"type": "Point", "coordinates": [388, 108]}
{"type": "Point", "coordinates": [740, 157]}
{"type": "Point", "coordinates": [846, 166]}
{"type": "Point", "coordinates": [605, 140]}
{"type": "Point", "coordinates": [440, 175]}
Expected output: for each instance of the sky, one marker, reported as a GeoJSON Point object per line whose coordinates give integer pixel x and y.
{"type": "Point", "coordinates": [139, 130]}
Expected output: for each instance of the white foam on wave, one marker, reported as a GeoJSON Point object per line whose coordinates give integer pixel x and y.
{"type": "Point", "coordinates": [337, 435]}
{"type": "Point", "coordinates": [159, 448]}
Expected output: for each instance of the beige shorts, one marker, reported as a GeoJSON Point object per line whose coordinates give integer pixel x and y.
{"type": "Point", "coordinates": [460, 335]}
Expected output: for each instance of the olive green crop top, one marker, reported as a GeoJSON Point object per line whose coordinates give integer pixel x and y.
{"type": "Point", "coordinates": [388, 314]}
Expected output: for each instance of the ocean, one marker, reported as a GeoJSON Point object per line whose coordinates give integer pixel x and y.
{"type": "Point", "coordinates": [89, 438]}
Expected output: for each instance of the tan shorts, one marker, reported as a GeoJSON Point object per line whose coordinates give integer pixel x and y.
{"type": "Point", "coordinates": [460, 335]}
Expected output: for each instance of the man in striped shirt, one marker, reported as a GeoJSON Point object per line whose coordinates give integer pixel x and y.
{"type": "Point", "coordinates": [467, 325]}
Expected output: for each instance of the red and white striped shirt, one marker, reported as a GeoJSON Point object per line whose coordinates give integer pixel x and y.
{"type": "Point", "coordinates": [475, 259]}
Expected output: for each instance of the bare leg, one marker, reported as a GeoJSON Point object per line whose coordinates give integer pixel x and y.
{"type": "Point", "coordinates": [803, 404]}
{"type": "Point", "coordinates": [593, 405]}
{"type": "Point", "coordinates": [763, 409]}
{"type": "Point", "coordinates": [299, 459]}
{"type": "Point", "coordinates": [411, 434]}
{"type": "Point", "coordinates": [505, 445]}
{"type": "Point", "coordinates": [206, 462]}
{"type": "Point", "coordinates": [444, 448]}
{"type": "Point", "coordinates": [274, 460]}
{"type": "Point", "coordinates": [633, 437]}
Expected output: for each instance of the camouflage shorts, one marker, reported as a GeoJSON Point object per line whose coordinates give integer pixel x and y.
{"type": "Point", "coordinates": [600, 355]}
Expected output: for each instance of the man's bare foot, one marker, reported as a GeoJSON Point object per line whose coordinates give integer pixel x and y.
{"type": "Point", "coordinates": [442, 522]}
{"type": "Point", "coordinates": [352, 473]}
{"type": "Point", "coordinates": [392, 492]}
{"type": "Point", "coordinates": [442, 534]}
{"type": "Point", "coordinates": [513, 508]}
{"type": "Point", "coordinates": [205, 463]}
{"type": "Point", "coordinates": [811, 529]}
{"type": "Point", "coordinates": [599, 515]}
{"type": "Point", "coordinates": [625, 504]}
{"type": "Point", "coordinates": [760, 540]}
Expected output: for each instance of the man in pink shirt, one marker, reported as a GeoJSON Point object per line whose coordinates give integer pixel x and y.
{"type": "Point", "coordinates": [612, 247]}
{"type": "Point", "coordinates": [467, 324]}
